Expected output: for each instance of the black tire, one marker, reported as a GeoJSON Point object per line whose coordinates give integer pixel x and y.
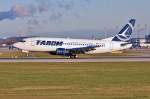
{"type": "Point", "coordinates": [73, 56]}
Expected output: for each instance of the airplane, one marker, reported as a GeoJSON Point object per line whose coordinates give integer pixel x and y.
{"type": "Point", "coordinates": [71, 47]}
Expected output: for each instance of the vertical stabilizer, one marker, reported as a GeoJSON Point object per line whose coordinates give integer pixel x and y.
{"type": "Point", "coordinates": [125, 34]}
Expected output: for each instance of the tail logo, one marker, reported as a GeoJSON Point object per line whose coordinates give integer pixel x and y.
{"type": "Point", "coordinates": [125, 34]}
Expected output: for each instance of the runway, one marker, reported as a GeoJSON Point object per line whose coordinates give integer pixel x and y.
{"type": "Point", "coordinates": [112, 59]}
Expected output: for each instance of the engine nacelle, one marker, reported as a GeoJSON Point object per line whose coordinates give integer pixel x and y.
{"type": "Point", "coordinates": [63, 52]}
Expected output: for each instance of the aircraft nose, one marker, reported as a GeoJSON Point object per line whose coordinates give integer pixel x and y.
{"type": "Point", "coordinates": [17, 45]}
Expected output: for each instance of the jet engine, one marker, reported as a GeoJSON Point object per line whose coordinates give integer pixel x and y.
{"type": "Point", "coordinates": [63, 52]}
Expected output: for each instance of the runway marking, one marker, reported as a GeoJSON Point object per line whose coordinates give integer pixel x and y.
{"type": "Point", "coordinates": [122, 59]}
{"type": "Point", "coordinates": [42, 88]}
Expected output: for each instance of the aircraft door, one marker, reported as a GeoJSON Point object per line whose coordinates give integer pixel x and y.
{"type": "Point", "coordinates": [33, 43]}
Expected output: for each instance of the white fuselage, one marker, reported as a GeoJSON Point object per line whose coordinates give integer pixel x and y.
{"type": "Point", "coordinates": [45, 44]}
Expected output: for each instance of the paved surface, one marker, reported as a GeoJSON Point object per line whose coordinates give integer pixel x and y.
{"type": "Point", "coordinates": [119, 59]}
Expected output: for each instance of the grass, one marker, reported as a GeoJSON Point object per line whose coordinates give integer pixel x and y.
{"type": "Point", "coordinates": [75, 80]}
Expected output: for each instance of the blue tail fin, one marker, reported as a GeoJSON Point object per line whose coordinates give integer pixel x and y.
{"type": "Point", "coordinates": [125, 34]}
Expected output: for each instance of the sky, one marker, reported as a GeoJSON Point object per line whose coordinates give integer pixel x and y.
{"type": "Point", "coordinates": [72, 18]}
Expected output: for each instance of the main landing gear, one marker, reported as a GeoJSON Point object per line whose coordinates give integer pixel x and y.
{"type": "Point", "coordinates": [27, 52]}
{"type": "Point", "coordinates": [73, 56]}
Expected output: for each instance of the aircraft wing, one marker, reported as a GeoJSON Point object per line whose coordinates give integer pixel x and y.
{"type": "Point", "coordinates": [82, 50]}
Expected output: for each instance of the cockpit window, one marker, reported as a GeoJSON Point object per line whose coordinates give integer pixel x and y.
{"type": "Point", "coordinates": [22, 41]}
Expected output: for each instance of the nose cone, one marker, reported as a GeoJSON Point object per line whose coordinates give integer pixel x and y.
{"type": "Point", "coordinates": [17, 45]}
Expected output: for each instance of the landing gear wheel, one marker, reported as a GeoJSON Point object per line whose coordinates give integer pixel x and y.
{"type": "Point", "coordinates": [73, 56]}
